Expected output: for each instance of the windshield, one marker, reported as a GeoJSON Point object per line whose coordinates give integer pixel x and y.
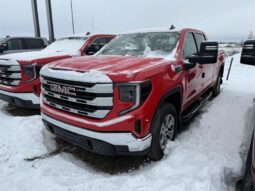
{"type": "Point", "coordinates": [67, 44]}
{"type": "Point", "coordinates": [153, 44]}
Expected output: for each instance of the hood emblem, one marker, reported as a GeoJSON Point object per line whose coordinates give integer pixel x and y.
{"type": "Point", "coordinates": [62, 89]}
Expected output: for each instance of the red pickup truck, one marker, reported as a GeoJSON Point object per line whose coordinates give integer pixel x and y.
{"type": "Point", "coordinates": [19, 73]}
{"type": "Point", "coordinates": [131, 98]}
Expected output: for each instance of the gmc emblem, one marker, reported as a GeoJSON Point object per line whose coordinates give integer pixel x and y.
{"type": "Point", "coordinates": [62, 89]}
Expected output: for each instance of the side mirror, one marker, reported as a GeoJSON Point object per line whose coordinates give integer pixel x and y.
{"type": "Point", "coordinates": [208, 53]}
{"type": "Point", "coordinates": [4, 46]}
{"type": "Point", "coordinates": [248, 53]}
{"type": "Point", "coordinates": [189, 66]}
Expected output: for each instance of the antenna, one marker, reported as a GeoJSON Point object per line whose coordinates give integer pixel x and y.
{"type": "Point", "coordinates": [172, 27]}
{"type": "Point", "coordinates": [71, 3]}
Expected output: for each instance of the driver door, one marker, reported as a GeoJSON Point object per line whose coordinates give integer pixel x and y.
{"type": "Point", "coordinates": [194, 76]}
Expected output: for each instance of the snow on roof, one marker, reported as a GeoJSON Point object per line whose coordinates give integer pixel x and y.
{"type": "Point", "coordinates": [146, 30]}
{"type": "Point", "coordinates": [83, 35]}
{"type": "Point", "coordinates": [75, 35]}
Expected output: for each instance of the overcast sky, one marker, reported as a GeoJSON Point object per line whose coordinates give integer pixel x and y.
{"type": "Point", "coordinates": [220, 19]}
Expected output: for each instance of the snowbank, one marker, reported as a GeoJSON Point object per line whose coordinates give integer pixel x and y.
{"type": "Point", "coordinates": [208, 155]}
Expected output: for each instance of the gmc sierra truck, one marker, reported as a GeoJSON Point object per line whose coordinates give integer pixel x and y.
{"type": "Point", "coordinates": [19, 73]}
{"type": "Point", "coordinates": [132, 97]}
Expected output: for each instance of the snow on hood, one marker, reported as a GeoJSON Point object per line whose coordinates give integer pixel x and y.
{"type": "Point", "coordinates": [91, 76]}
{"type": "Point", "coordinates": [112, 65]}
{"type": "Point", "coordinates": [29, 56]}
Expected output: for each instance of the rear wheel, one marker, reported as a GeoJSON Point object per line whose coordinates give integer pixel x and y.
{"type": "Point", "coordinates": [164, 128]}
{"type": "Point", "coordinates": [216, 87]}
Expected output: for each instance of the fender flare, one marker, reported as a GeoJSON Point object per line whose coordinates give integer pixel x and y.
{"type": "Point", "coordinates": [176, 89]}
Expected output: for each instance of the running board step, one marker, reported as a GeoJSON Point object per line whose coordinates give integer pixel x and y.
{"type": "Point", "coordinates": [195, 107]}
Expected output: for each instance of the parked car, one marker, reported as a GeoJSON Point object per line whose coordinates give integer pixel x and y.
{"type": "Point", "coordinates": [21, 44]}
{"type": "Point", "coordinates": [248, 57]}
{"type": "Point", "coordinates": [19, 73]}
{"type": "Point", "coordinates": [131, 98]}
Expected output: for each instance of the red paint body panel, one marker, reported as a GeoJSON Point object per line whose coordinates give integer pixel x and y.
{"type": "Point", "coordinates": [125, 69]}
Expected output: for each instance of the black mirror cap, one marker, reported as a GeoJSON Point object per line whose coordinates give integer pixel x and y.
{"type": "Point", "coordinates": [189, 66]}
{"type": "Point", "coordinates": [248, 53]}
{"type": "Point", "coordinates": [208, 53]}
{"type": "Point", "coordinates": [4, 46]}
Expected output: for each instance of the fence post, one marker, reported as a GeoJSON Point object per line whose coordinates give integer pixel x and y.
{"type": "Point", "coordinates": [231, 62]}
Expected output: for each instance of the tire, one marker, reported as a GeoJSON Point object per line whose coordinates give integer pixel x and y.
{"type": "Point", "coordinates": [166, 116]}
{"type": "Point", "coordinates": [216, 87]}
{"type": "Point", "coordinates": [247, 184]}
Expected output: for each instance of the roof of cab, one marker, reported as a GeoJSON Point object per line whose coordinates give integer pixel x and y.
{"type": "Point", "coordinates": [159, 29]}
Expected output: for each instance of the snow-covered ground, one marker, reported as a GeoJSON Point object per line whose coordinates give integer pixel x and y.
{"type": "Point", "coordinates": [208, 155]}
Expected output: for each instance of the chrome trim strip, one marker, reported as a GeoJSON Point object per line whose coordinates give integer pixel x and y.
{"type": "Point", "coordinates": [96, 88]}
{"type": "Point", "coordinates": [14, 83]}
{"type": "Point", "coordinates": [98, 101]}
{"type": "Point", "coordinates": [134, 144]}
{"type": "Point", "coordinates": [97, 114]}
{"type": "Point", "coordinates": [13, 75]}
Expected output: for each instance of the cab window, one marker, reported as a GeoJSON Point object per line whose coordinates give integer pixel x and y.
{"type": "Point", "coordinates": [96, 45]}
{"type": "Point", "coordinates": [190, 46]}
{"type": "Point", "coordinates": [14, 44]}
{"type": "Point", "coordinates": [199, 39]}
{"type": "Point", "coordinates": [33, 44]}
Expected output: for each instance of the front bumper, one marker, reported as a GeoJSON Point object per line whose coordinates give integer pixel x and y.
{"type": "Point", "coordinates": [105, 143]}
{"type": "Point", "coordinates": [26, 100]}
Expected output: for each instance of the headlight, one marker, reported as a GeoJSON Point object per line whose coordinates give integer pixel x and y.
{"type": "Point", "coordinates": [135, 93]}
{"type": "Point", "coordinates": [29, 71]}
{"type": "Point", "coordinates": [128, 93]}
{"type": "Point", "coordinates": [32, 71]}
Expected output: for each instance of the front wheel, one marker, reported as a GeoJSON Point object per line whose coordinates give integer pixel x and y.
{"type": "Point", "coordinates": [163, 129]}
{"type": "Point", "coordinates": [247, 180]}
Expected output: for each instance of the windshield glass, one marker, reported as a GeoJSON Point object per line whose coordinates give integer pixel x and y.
{"type": "Point", "coordinates": [67, 44]}
{"type": "Point", "coordinates": [152, 44]}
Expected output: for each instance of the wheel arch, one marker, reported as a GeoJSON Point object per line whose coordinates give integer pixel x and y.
{"type": "Point", "coordinates": [174, 96]}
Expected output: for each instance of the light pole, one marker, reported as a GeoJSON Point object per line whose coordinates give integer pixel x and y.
{"type": "Point", "coordinates": [35, 18]}
{"type": "Point", "coordinates": [50, 21]}
{"type": "Point", "coordinates": [71, 3]}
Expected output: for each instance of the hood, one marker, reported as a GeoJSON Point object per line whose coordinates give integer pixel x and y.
{"type": "Point", "coordinates": [118, 68]}
{"type": "Point", "coordinates": [35, 55]}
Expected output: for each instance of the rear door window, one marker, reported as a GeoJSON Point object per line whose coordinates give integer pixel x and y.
{"type": "Point", "coordinates": [33, 44]}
